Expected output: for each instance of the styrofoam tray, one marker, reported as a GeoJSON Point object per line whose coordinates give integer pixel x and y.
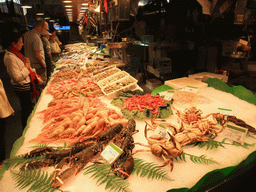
{"type": "Point", "coordinates": [103, 69]}
{"type": "Point", "coordinates": [184, 82]}
{"type": "Point", "coordinates": [105, 74]}
{"type": "Point", "coordinates": [112, 78]}
{"type": "Point", "coordinates": [124, 84]}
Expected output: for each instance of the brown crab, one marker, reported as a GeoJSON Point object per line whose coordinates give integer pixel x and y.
{"type": "Point", "coordinates": [161, 147]}
{"type": "Point", "coordinates": [190, 114]}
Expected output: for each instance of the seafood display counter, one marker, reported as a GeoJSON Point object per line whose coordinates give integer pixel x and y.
{"type": "Point", "coordinates": [190, 143]}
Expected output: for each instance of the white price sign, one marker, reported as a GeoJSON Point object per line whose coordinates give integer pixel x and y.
{"type": "Point", "coordinates": [235, 133]}
{"type": "Point", "coordinates": [111, 153]}
{"type": "Point", "coordinates": [225, 111]}
{"type": "Point", "coordinates": [168, 95]}
{"type": "Point", "coordinates": [163, 131]}
{"type": "Point", "coordinates": [191, 89]}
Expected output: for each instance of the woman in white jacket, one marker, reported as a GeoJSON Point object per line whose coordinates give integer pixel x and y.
{"type": "Point", "coordinates": [18, 69]}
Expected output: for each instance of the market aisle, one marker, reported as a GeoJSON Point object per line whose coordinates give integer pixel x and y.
{"type": "Point", "coordinates": [13, 124]}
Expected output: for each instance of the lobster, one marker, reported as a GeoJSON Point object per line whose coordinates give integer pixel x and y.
{"type": "Point", "coordinates": [77, 157]}
{"type": "Point", "coordinates": [126, 142]}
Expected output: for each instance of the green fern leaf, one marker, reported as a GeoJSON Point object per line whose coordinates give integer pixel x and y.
{"type": "Point", "coordinates": [149, 170]}
{"type": "Point", "coordinates": [211, 144]}
{"type": "Point", "coordinates": [102, 173]}
{"type": "Point", "coordinates": [201, 159]}
{"type": "Point", "coordinates": [19, 160]}
{"type": "Point", "coordinates": [245, 145]}
{"type": "Point", "coordinates": [39, 146]}
{"type": "Point", "coordinates": [39, 180]}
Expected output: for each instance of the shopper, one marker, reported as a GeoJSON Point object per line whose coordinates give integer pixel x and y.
{"type": "Point", "coordinates": [34, 50]}
{"type": "Point", "coordinates": [53, 32]}
{"type": "Point", "coordinates": [6, 110]}
{"type": "Point", "coordinates": [48, 54]}
{"type": "Point", "coordinates": [55, 48]}
{"type": "Point", "coordinates": [18, 69]}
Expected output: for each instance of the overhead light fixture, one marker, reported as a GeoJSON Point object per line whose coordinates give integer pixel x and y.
{"type": "Point", "coordinates": [26, 6]}
{"type": "Point", "coordinates": [39, 13]}
{"type": "Point", "coordinates": [46, 18]}
{"type": "Point", "coordinates": [83, 4]}
{"type": "Point", "coordinates": [68, 6]}
{"type": "Point", "coordinates": [84, 7]}
{"type": "Point", "coordinates": [67, 1]}
{"type": "Point", "coordinates": [52, 21]}
{"type": "Point", "coordinates": [69, 9]}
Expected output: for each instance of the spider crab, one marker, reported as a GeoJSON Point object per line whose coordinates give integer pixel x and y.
{"type": "Point", "coordinates": [190, 114]}
{"type": "Point", "coordinates": [162, 147]}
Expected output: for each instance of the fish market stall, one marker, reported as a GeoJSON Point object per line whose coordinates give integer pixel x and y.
{"type": "Point", "coordinates": [94, 129]}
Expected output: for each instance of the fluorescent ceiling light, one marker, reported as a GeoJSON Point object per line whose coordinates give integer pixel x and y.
{"type": "Point", "coordinates": [47, 18]}
{"type": "Point", "coordinates": [67, 1]}
{"type": "Point", "coordinates": [40, 14]}
{"type": "Point", "coordinates": [26, 6]}
{"type": "Point", "coordinates": [84, 7]}
{"type": "Point", "coordinates": [84, 4]}
{"type": "Point", "coordinates": [68, 9]}
{"type": "Point", "coordinates": [68, 6]}
{"type": "Point", "coordinates": [52, 20]}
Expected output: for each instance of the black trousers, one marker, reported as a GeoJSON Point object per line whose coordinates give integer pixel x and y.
{"type": "Point", "coordinates": [25, 104]}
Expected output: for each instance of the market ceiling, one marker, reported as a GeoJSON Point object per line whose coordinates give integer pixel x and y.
{"type": "Point", "coordinates": [75, 9]}
{"type": "Point", "coordinates": [62, 11]}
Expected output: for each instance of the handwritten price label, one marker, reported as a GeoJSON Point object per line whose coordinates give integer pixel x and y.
{"type": "Point", "coordinates": [168, 95]}
{"type": "Point", "coordinates": [163, 131]}
{"type": "Point", "coordinates": [111, 153]}
{"type": "Point", "coordinates": [235, 133]}
{"type": "Point", "coordinates": [225, 111]}
{"type": "Point", "coordinates": [191, 89]}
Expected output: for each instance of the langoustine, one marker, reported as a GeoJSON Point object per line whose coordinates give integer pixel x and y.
{"type": "Point", "coordinates": [70, 124]}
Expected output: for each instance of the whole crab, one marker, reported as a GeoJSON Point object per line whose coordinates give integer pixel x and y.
{"type": "Point", "coordinates": [162, 147]}
{"type": "Point", "coordinates": [190, 114]}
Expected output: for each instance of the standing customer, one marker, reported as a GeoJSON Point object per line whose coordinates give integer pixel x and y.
{"type": "Point", "coordinates": [34, 50]}
{"type": "Point", "coordinates": [55, 48]}
{"type": "Point", "coordinates": [18, 69]}
{"type": "Point", "coordinates": [48, 54]}
{"type": "Point", "coordinates": [53, 32]}
{"type": "Point", "coordinates": [5, 111]}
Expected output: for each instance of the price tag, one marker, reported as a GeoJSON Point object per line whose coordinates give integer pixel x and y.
{"type": "Point", "coordinates": [111, 153]}
{"type": "Point", "coordinates": [191, 89]}
{"type": "Point", "coordinates": [235, 133]}
{"type": "Point", "coordinates": [225, 111]}
{"type": "Point", "coordinates": [168, 95]}
{"type": "Point", "coordinates": [163, 131]}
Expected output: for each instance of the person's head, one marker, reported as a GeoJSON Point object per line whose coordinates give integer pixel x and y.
{"type": "Point", "coordinates": [13, 39]}
{"type": "Point", "coordinates": [47, 35]}
{"type": "Point", "coordinates": [41, 26]}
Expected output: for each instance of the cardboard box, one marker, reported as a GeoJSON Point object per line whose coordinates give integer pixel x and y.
{"type": "Point", "coordinates": [153, 83]}
{"type": "Point", "coordinates": [204, 75]}
{"type": "Point", "coordinates": [183, 82]}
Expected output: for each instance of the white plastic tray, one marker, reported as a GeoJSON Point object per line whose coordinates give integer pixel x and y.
{"type": "Point", "coordinates": [124, 84]}
{"type": "Point", "coordinates": [105, 74]}
{"type": "Point", "coordinates": [112, 78]}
